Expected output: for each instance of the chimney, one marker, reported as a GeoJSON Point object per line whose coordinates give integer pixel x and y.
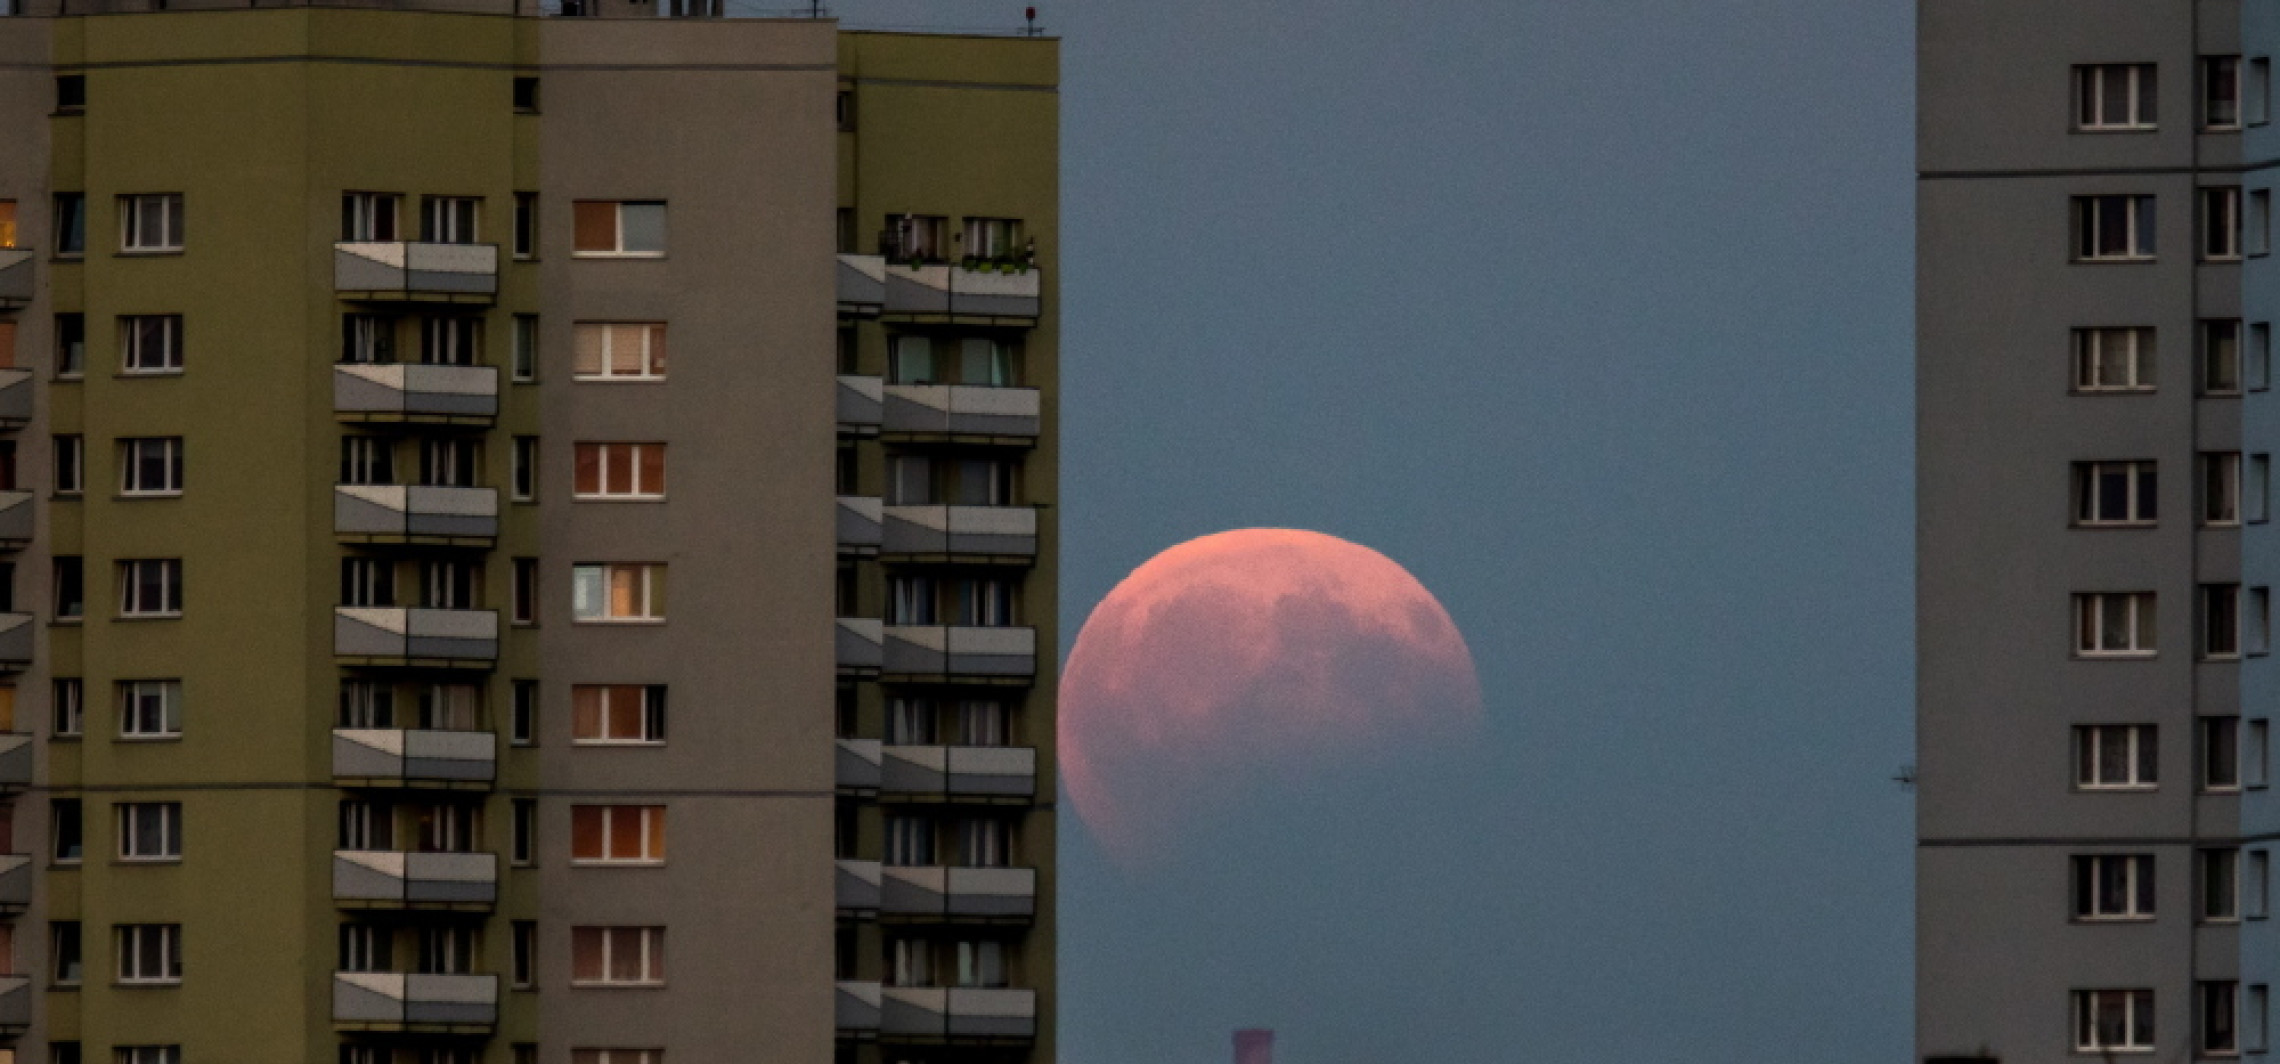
{"type": "Point", "coordinates": [1255, 1046]}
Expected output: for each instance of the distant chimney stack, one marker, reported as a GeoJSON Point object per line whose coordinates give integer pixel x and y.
{"type": "Point", "coordinates": [1255, 1046]}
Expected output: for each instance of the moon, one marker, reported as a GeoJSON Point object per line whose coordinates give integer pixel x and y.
{"type": "Point", "coordinates": [1243, 657]}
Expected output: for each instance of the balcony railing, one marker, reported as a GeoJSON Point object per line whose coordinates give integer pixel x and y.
{"type": "Point", "coordinates": [869, 285]}
{"type": "Point", "coordinates": [989, 531]}
{"type": "Point", "coordinates": [961, 410]}
{"type": "Point", "coordinates": [15, 641]}
{"type": "Point", "coordinates": [16, 280]}
{"type": "Point", "coordinates": [944, 650]}
{"type": "Point", "coordinates": [398, 636]}
{"type": "Point", "coordinates": [859, 524]}
{"type": "Point", "coordinates": [15, 882]}
{"type": "Point", "coordinates": [858, 764]}
{"type": "Point", "coordinates": [404, 270]}
{"type": "Point", "coordinates": [16, 520]}
{"type": "Point", "coordinates": [862, 403]}
{"type": "Point", "coordinates": [404, 391]}
{"type": "Point", "coordinates": [861, 644]}
{"type": "Point", "coordinates": [404, 512]}
{"type": "Point", "coordinates": [15, 761]}
{"type": "Point", "coordinates": [405, 756]}
{"type": "Point", "coordinates": [957, 1012]}
{"type": "Point", "coordinates": [857, 1010]}
{"type": "Point", "coordinates": [400, 1001]}
{"type": "Point", "coordinates": [958, 771]}
{"type": "Point", "coordinates": [974, 893]}
{"type": "Point", "coordinates": [857, 886]}
{"type": "Point", "coordinates": [398, 879]}
{"type": "Point", "coordinates": [15, 1004]}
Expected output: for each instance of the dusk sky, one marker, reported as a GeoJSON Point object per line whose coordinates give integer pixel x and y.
{"type": "Point", "coordinates": [1596, 317]}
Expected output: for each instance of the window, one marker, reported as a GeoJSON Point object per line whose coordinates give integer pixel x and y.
{"type": "Point", "coordinates": [2220, 754]}
{"type": "Point", "coordinates": [525, 591]}
{"type": "Point", "coordinates": [151, 343]}
{"type": "Point", "coordinates": [2219, 875]}
{"type": "Point", "coordinates": [454, 340]}
{"type": "Point", "coordinates": [523, 486]}
{"type": "Point", "coordinates": [369, 216]}
{"type": "Point", "coordinates": [150, 709]}
{"type": "Point", "coordinates": [70, 225]}
{"type": "Point", "coordinates": [2114, 624]}
{"type": "Point", "coordinates": [523, 726]}
{"type": "Point", "coordinates": [2234, 623]}
{"type": "Point", "coordinates": [367, 339]}
{"type": "Point", "coordinates": [147, 1055]}
{"type": "Point", "coordinates": [2219, 1010]}
{"type": "Point", "coordinates": [617, 956]}
{"type": "Point", "coordinates": [65, 831]}
{"type": "Point", "coordinates": [526, 955]}
{"type": "Point", "coordinates": [449, 219]}
{"type": "Point", "coordinates": [367, 460]}
{"type": "Point", "coordinates": [619, 351]}
{"type": "Point", "coordinates": [70, 465]}
{"type": "Point", "coordinates": [526, 95]}
{"type": "Point", "coordinates": [68, 709]}
{"type": "Point", "coordinates": [150, 953]}
{"type": "Point", "coordinates": [64, 953]}
{"type": "Point", "coordinates": [2113, 1020]}
{"type": "Point", "coordinates": [2110, 757]}
{"type": "Point", "coordinates": [365, 947]}
{"type": "Point", "coordinates": [2221, 223]}
{"type": "Point", "coordinates": [71, 93]}
{"type": "Point", "coordinates": [2256, 94]}
{"type": "Point", "coordinates": [617, 714]}
{"type": "Point", "coordinates": [620, 471]}
{"type": "Point", "coordinates": [2113, 228]}
{"type": "Point", "coordinates": [367, 582]}
{"type": "Point", "coordinates": [981, 963]}
{"type": "Point", "coordinates": [525, 850]}
{"type": "Point", "coordinates": [617, 834]}
{"type": "Point", "coordinates": [618, 592]}
{"type": "Point", "coordinates": [2256, 1010]}
{"type": "Point", "coordinates": [2220, 356]}
{"type": "Point", "coordinates": [150, 223]}
{"type": "Point", "coordinates": [2256, 754]}
{"type": "Point", "coordinates": [150, 587]}
{"type": "Point", "coordinates": [620, 229]}
{"type": "Point", "coordinates": [2256, 489]}
{"type": "Point", "coordinates": [2115, 96]}
{"type": "Point", "coordinates": [985, 842]}
{"type": "Point", "coordinates": [450, 462]}
{"type": "Point", "coordinates": [2113, 887]}
{"type": "Point", "coordinates": [70, 589]}
{"type": "Point", "coordinates": [150, 466]}
{"type": "Point", "coordinates": [2255, 884]}
{"type": "Point", "coordinates": [2114, 360]}
{"type": "Point", "coordinates": [150, 831]}
{"type": "Point", "coordinates": [2256, 227]}
{"type": "Point", "coordinates": [844, 112]}
{"type": "Point", "coordinates": [993, 239]}
{"type": "Point", "coordinates": [917, 238]}
{"type": "Point", "coordinates": [2220, 92]}
{"type": "Point", "coordinates": [450, 584]}
{"type": "Point", "coordinates": [617, 1056]}
{"type": "Point", "coordinates": [2114, 494]}
{"type": "Point", "coordinates": [525, 368]}
{"type": "Point", "coordinates": [70, 345]}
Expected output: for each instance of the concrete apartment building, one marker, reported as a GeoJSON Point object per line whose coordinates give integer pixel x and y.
{"type": "Point", "coordinates": [525, 536]}
{"type": "Point", "coordinates": [2096, 296]}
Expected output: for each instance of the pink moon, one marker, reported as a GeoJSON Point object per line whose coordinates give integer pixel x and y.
{"type": "Point", "coordinates": [1243, 657]}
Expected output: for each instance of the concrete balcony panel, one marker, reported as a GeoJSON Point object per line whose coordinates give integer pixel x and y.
{"type": "Point", "coordinates": [15, 761]}
{"type": "Point", "coordinates": [858, 885]}
{"type": "Point", "coordinates": [996, 531]}
{"type": "Point", "coordinates": [957, 1012]}
{"type": "Point", "coordinates": [409, 756]}
{"type": "Point", "coordinates": [410, 271]}
{"type": "Point", "coordinates": [406, 391]}
{"type": "Point", "coordinates": [15, 1003]}
{"type": "Point", "coordinates": [958, 771]}
{"type": "Point", "coordinates": [857, 764]}
{"type": "Point", "coordinates": [862, 284]}
{"type": "Point", "coordinates": [16, 641]}
{"type": "Point", "coordinates": [17, 520]}
{"type": "Point", "coordinates": [401, 1001]}
{"type": "Point", "coordinates": [393, 878]}
{"type": "Point", "coordinates": [958, 892]}
{"type": "Point", "coordinates": [862, 403]}
{"type": "Point", "coordinates": [17, 281]}
{"type": "Point", "coordinates": [396, 635]}
{"type": "Point", "coordinates": [860, 527]}
{"type": "Point", "coordinates": [961, 410]}
{"type": "Point", "coordinates": [956, 291]}
{"type": "Point", "coordinates": [861, 643]}
{"type": "Point", "coordinates": [949, 650]}
{"type": "Point", "coordinates": [410, 511]}
{"type": "Point", "coordinates": [857, 1009]}
{"type": "Point", "coordinates": [15, 398]}
{"type": "Point", "coordinates": [15, 882]}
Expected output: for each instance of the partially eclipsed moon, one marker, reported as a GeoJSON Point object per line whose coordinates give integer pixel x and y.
{"type": "Point", "coordinates": [1244, 654]}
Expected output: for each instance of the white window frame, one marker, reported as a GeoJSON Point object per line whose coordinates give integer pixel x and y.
{"type": "Point", "coordinates": [2136, 1008]}
{"type": "Point", "coordinates": [650, 941]}
{"type": "Point", "coordinates": [149, 954]}
{"type": "Point", "coordinates": [2139, 221]}
{"type": "Point", "coordinates": [143, 233]}
{"type": "Point", "coordinates": [68, 711]}
{"type": "Point", "coordinates": [648, 827]}
{"type": "Point", "coordinates": [591, 584]}
{"type": "Point", "coordinates": [371, 217]}
{"type": "Point", "coordinates": [136, 354]}
{"type": "Point", "coordinates": [451, 220]}
{"type": "Point", "coordinates": [150, 709]}
{"type": "Point", "coordinates": [146, 1055]}
{"type": "Point", "coordinates": [650, 366]}
{"type": "Point", "coordinates": [603, 452]}
{"type": "Point", "coordinates": [131, 458]}
{"type": "Point", "coordinates": [2140, 494]}
{"type": "Point", "coordinates": [2141, 91]}
{"type": "Point", "coordinates": [653, 702]}
{"type": "Point", "coordinates": [2090, 871]}
{"type": "Point", "coordinates": [2141, 619]}
{"type": "Point", "coordinates": [2138, 359]}
{"type": "Point", "coordinates": [167, 818]}
{"type": "Point", "coordinates": [2141, 745]}
{"type": "Point", "coordinates": [169, 587]}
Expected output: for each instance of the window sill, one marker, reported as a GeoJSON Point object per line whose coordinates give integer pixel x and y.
{"type": "Point", "coordinates": [2094, 393]}
{"type": "Point", "coordinates": [145, 862]}
{"type": "Point", "coordinates": [174, 738]}
{"type": "Point", "coordinates": [148, 253]}
{"type": "Point", "coordinates": [645, 256]}
{"type": "Point", "coordinates": [2102, 130]}
{"type": "Point", "coordinates": [2105, 526]}
{"type": "Point", "coordinates": [132, 496]}
{"type": "Point", "coordinates": [2115, 655]}
{"type": "Point", "coordinates": [69, 622]}
{"type": "Point", "coordinates": [175, 616]}
{"type": "Point", "coordinates": [631, 622]}
{"type": "Point", "coordinates": [2116, 788]}
{"type": "Point", "coordinates": [603, 379]}
{"type": "Point", "coordinates": [2117, 260]}
{"type": "Point", "coordinates": [576, 863]}
{"type": "Point", "coordinates": [576, 985]}
{"type": "Point", "coordinates": [64, 258]}
{"type": "Point", "coordinates": [617, 498]}
{"type": "Point", "coordinates": [619, 744]}
{"type": "Point", "coordinates": [129, 374]}
{"type": "Point", "coordinates": [2099, 920]}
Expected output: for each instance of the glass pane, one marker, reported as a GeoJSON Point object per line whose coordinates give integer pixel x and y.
{"type": "Point", "coordinates": [586, 832]}
{"type": "Point", "coordinates": [657, 350]}
{"type": "Point", "coordinates": [586, 712]}
{"type": "Point", "coordinates": [625, 713]}
{"type": "Point", "coordinates": [586, 953]}
{"type": "Point", "coordinates": [2113, 756]}
{"type": "Point", "coordinates": [2114, 633]}
{"type": "Point", "coordinates": [2114, 104]}
{"type": "Point", "coordinates": [588, 340]}
{"type": "Point", "coordinates": [625, 954]}
{"type": "Point", "coordinates": [652, 469]}
{"type": "Point", "coordinates": [643, 228]}
{"type": "Point", "coordinates": [593, 226]}
{"type": "Point", "coordinates": [2149, 756]}
{"type": "Point", "coordinates": [2113, 491]}
{"type": "Point", "coordinates": [617, 468]}
{"type": "Point", "coordinates": [625, 350]}
{"type": "Point", "coordinates": [588, 591]}
{"type": "Point", "coordinates": [589, 469]}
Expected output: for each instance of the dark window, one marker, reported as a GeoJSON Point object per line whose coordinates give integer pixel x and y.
{"type": "Point", "coordinates": [526, 94]}
{"type": "Point", "coordinates": [525, 731]}
{"type": "Point", "coordinates": [69, 840]}
{"type": "Point", "coordinates": [526, 956]}
{"type": "Point", "coordinates": [526, 591]}
{"type": "Point", "coordinates": [526, 225]}
{"type": "Point", "coordinates": [70, 345]}
{"type": "Point", "coordinates": [526, 832]}
{"type": "Point", "coordinates": [70, 223]}
{"type": "Point", "coordinates": [71, 92]}
{"type": "Point", "coordinates": [70, 589]}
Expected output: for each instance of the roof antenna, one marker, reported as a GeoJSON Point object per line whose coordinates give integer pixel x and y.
{"type": "Point", "coordinates": [1031, 30]}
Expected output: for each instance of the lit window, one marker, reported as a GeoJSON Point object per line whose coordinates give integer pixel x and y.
{"type": "Point", "coordinates": [618, 592]}
{"type": "Point", "coordinates": [150, 223]}
{"type": "Point", "coordinates": [620, 471]}
{"type": "Point", "coordinates": [617, 956]}
{"type": "Point", "coordinates": [603, 228]}
{"type": "Point", "coordinates": [2114, 624]}
{"type": "Point", "coordinates": [617, 714]}
{"type": "Point", "coordinates": [8, 231]}
{"type": "Point", "coordinates": [2115, 96]}
{"type": "Point", "coordinates": [2116, 757]}
{"type": "Point", "coordinates": [619, 351]}
{"type": "Point", "coordinates": [617, 834]}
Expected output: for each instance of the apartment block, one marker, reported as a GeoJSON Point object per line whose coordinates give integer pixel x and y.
{"type": "Point", "coordinates": [2096, 295]}
{"type": "Point", "coordinates": [525, 535]}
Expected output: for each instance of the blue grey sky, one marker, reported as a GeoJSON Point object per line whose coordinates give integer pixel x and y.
{"type": "Point", "coordinates": [1596, 316]}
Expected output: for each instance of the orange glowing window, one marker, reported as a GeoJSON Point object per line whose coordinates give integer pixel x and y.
{"type": "Point", "coordinates": [617, 714]}
{"type": "Point", "coordinates": [620, 471]}
{"type": "Point", "coordinates": [617, 834]}
{"type": "Point", "coordinates": [7, 223]}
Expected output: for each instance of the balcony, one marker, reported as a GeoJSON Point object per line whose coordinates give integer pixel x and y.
{"type": "Point", "coordinates": [999, 534]}
{"type": "Point", "coordinates": [955, 652]}
{"type": "Point", "coordinates": [862, 403]}
{"type": "Point", "coordinates": [869, 285]}
{"type": "Point", "coordinates": [859, 525]}
{"type": "Point", "coordinates": [15, 761]}
{"type": "Point", "coordinates": [964, 411]}
{"type": "Point", "coordinates": [401, 391]}
{"type": "Point", "coordinates": [857, 887]}
{"type": "Point", "coordinates": [15, 882]}
{"type": "Point", "coordinates": [857, 1010]}
{"type": "Point", "coordinates": [16, 279]}
{"type": "Point", "coordinates": [15, 1005]}
{"type": "Point", "coordinates": [427, 638]}
{"type": "Point", "coordinates": [958, 772]}
{"type": "Point", "coordinates": [15, 399]}
{"type": "Point", "coordinates": [403, 757]}
{"type": "Point", "coordinates": [403, 271]}
{"type": "Point", "coordinates": [425, 1004]}
{"type": "Point", "coordinates": [392, 879]}
{"type": "Point", "coordinates": [15, 641]}
{"type": "Point", "coordinates": [861, 644]}
{"type": "Point", "coordinates": [857, 764]}
{"type": "Point", "coordinates": [957, 1012]}
{"type": "Point", "coordinates": [958, 893]}
{"type": "Point", "coordinates": [16, 520]}
{"type": "Point", "coordinates": [407, 513]}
